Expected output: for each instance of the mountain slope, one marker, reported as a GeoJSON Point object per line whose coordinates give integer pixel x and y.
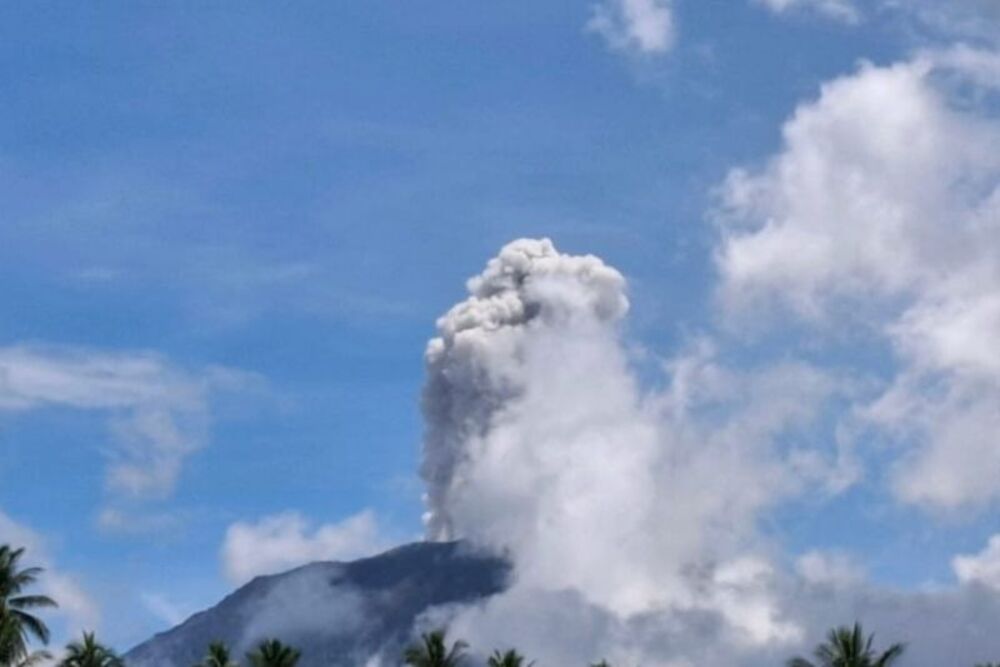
{"type": "Point", "coordinates": [338, 614]}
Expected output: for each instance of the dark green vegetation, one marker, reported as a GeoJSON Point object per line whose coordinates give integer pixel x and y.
{"type": "Point", "coordinates": [272, 653]}
{"type": "Point", "coordinates": [849, 647]}
{"type": "Point", "coordinates": [90, 653]}
{"type": "Point", "coordinates": [20, 626]}
{"type": "Point", "coordinates": [511, 658]}
{"type": "Point", "coordinates": [218, 656]}
{"type": "Point", "coordinates": [433, 651]}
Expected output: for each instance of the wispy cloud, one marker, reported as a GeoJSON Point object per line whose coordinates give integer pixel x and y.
{"type": "Point", "coordinates": [963, 19]}
{"type": "Point", "coordinates": [282, 541]}
{"type": "Point", "coordinates": [164, 608]}
{"type": "Point", "coordinates": [157, 414]}
{"type": "Point", "coordinates": [639, 26]}
{"type": "Point", "coordinates": [839, 10]}
{"type": "Point", "coordinates": [931, 20]}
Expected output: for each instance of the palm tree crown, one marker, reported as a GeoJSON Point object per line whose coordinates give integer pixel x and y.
{"type": "Point", "coordinates": [510, 658]}
{"type": "Point", "coordinates": [88, 652]}
{"type": "Point", "coordinates": [848, 647]}
{"type": "Point", "coordinates": [218, 656]}
{"type": "Point", "coordinates": [433, 651]}
{"type": "Point", "coordinates": [17, 624]}
{"type": "Point", "coordinates": [272, 653]}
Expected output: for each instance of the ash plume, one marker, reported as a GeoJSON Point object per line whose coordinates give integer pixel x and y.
{"type": "Point", "coordinates": [631, 511]}
{"type": "Point", "coordinates": [476, 364]}
{"type": "Point", "coordinates": [541, 443]}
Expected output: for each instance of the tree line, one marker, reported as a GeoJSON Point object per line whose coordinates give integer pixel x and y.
{"type": "Point", "coordinates": [20, 627]}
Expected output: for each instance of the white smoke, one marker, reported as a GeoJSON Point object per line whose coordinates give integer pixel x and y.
{"type": "Point", "coordinates": [615, 504]}
{"type": "Point", "coordinates": [476, 366]}
{"type": "Point", "coordinates": [306, 604]}
{"type": "Point", "coordinates": [631, 514]}
{"type": "Point", "coordinates": [280, 542]}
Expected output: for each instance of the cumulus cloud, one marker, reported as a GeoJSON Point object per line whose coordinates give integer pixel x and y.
{"type": "Point", "coordinates": [840, 10]}
{"type": "Point", "coordinates": [615, 504]}
{"type": "Point", "coordinates": [157, 414]}
{"type": "Point", "coordinates": [882, 210]}
{"type": "Point", "coordinates": [639, 26]}
{"type": "Point", "coordinates": [282, 541]}
{"type": "Point", "coordinates": [982, 568]}
{"type": "Point", "coordinates": [820, 568]}
{"type": "Point", "coordinates": [77, 610]}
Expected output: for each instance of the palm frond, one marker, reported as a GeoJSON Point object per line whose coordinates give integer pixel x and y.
{"type": "Point", "coordinates": [34, 658]}
{"type": "Point", "coordinates": [31, 602]}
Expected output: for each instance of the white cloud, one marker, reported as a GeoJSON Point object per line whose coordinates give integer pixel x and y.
{"type": "Point", "coordinates": [283, 541]}
{"type": "Point", "coordinates": [840, 10]}
{"type": "Point", "coordinates": [882, 212]}
{"type": "Point", "coordinates": [855, 204]}
{"type": "Point", "coordinates": [981, 568]}
{"type": "Point", "coordinates": [157, 414]}
{"type": "Point", "coordinates": [836, 569]}
{"type": "Point", "coordinates": [950, 425]}
{"type": "Point", "coordinates": [77, 609]}
{"type": "Point", "coordinates": [965, 19]}
{"type": "Point", "coordinates": [740, 593]}
{"type": "Point", "coordinates": [932, 20]}
{"type": "Point", "coordinates": [164, 609]}
{"type": "Point", "coordinates": [642, 26]}
{"type": "Point", "coordinates": [138, 522]}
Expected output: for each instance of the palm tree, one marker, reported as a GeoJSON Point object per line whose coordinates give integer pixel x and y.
{"type": "Point", "coordinates": [510, 658]}
{"type": "Point", "coordinates": [433, 651]}
{"type": "Point", "coordinates": [18, 625]}
{"type": "Point", "coordinates": [218, 656]}
{"type": "Point", "coordinates": [272, 653]}
{"type": "Point", "coordinates": [9, 638]}
{"type": "Point", "coordinates": [90, 653]}
{"type": "Point", "coordinates": [848, 647]}
{"type": "Point", "coordinates": [33, 658]}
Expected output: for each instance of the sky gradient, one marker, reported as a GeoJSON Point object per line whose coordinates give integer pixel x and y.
{"type": "Point", "coordinates": [228, 233]}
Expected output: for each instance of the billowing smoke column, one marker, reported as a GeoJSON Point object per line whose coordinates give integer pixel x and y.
{"type": "Point", "coordinates": [476, 365]}
{"type": "Point", "coordinates": [540, 443]}
{"type": "Point", "coordinates": [613, 503]}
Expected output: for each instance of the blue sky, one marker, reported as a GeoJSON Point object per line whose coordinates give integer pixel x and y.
{"type": "Point", "coordinates": [269, 207]}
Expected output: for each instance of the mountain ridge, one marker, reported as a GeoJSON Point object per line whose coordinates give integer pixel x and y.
{"type": "Point", "coordinates": [339, 614]}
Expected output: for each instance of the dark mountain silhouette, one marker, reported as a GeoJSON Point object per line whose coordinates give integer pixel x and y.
{"type": "Point", "coordinates": [338, 614]}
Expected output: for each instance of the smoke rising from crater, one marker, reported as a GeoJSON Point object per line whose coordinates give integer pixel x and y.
{"type": "Point", "coordinates": [477, 365]}
{"type": "Point", "coordinates": [631, 510]}
{"type": "Point", "coordinates": [540, 442]}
